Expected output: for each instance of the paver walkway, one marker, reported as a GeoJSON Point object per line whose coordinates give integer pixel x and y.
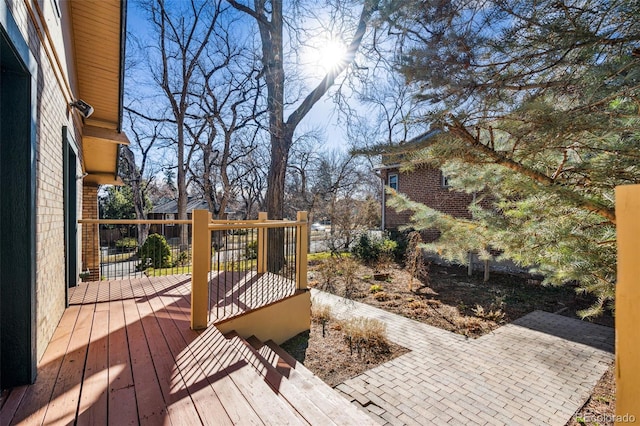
{"type": "Point", "coordinates": [539, 370]}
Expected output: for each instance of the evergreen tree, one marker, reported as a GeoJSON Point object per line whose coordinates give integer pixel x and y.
{"type": "Point", "coordinates": [116, 202]}
{"type": "Point", "coordinates": [540, 112]}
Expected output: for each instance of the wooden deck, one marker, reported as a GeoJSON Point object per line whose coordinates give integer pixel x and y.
{"type": "Point", "coordinates": [231, 293]}
{"type": "Point", "coordinates": [123, 353]}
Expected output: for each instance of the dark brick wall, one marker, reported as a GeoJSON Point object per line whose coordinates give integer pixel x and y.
{"type": "Point", "coordinates": [424, 185]}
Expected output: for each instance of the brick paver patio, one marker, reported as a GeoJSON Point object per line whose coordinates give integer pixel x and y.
{"type": "Point", "coordinates": [538, 370]}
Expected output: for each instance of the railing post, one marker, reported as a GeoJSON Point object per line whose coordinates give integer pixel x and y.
{"type": "Point", "coordinates": [262, 245]}
{"type": "Point", "coordinates": [201, 252]}
{"type": "Point", "coordinates": [627, 299]}
{"type": "Point", "coordinates": [302, 244]}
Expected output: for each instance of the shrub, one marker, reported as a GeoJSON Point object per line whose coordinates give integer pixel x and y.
{"type": "Point", "coordinates": [495, 315]}
{"type": "Point", "coordinates": [321, 314]}
{"type": "Point", "coordinates": [414, 260]}
{"type": "Point", "coordinates": [375, 288]}
{"type": "Point", "coordinates": [155, 252]}
{"type": "Point", "coordinates": [372, 250]}
{"type": "Point", "coordinates": [469, 326]}
{"type": "Point", "coordinates": [183, 258]}
{"type": "Point", "coordinates": [365, 336]}
{"type": "Point", "coordinates": [416, 304]}
{"type": "Point", "coordinates": [251, 250]}
{"type": "Point", "coordinates": [328, 271]}
{"type": "Point", "coordinates": [349, 267]}
{"type": "Point", "coordinates": [401, 239]}
{"type": "Point", "coordinates": [381, 296]}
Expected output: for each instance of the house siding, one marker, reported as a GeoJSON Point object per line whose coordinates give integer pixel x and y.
{"type": "Point", "coordinates": [51, 116]}
{"type": "Point", "coordinates": [424, 185]}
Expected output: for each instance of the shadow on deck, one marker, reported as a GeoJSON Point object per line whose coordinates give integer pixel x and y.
{"type": "Point", "coordinates": [124, 353]}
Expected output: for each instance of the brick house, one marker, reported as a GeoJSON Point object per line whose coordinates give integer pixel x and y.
{"type": "Point", "coordinates": [425, 185]}
{"type": "Point", "coordinates": [54, 152]}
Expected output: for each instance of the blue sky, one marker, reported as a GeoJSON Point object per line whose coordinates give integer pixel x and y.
{"type": "Point", "coordinates": [323, 116]}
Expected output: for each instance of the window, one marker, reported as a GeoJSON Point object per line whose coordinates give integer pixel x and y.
{"type": "Point", "coordinates": [392, 181]}
{"type": "Point", "coordinates": [444, 180]}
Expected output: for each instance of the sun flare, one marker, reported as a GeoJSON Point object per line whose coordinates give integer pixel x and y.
{"type": "Point", "coordinates": [327, 55]}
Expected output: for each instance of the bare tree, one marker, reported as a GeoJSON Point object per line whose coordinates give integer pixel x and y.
{"type": "Point", "coordinates": [269, 17]}
{"type": "Point", "coordinates": [230, 106]}
{"type": "Point", "coordinates": [138, 175]}
{"type": "Point", "coordinates": [183, 32]}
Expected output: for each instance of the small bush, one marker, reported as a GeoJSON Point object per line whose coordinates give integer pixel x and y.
{"type": "Point", "coordinates": [251, 250]}
{"type": "Point", "coordinates": [349, 268]}
{"type": "Point", "coordinates": [373, 250]}
{"type": "Point", "coordinates": [495, 315]}
{"type": "Point", "coordinates": [375, 288]}
{"type": "Point", "coordinates": [328, 270]}
{"type": "Point", "coordinates": [183, 258]}
{"type": "Point", "coordinates": [416, 304]}
{"type": "Point", "coordinates": [155, 252]}
{"type": "Point", "coordinates": [414, 260]}
{"type": "Point", "coordinates": [321, 314]}
{"type": "Point", "coordinates": [470, 326]}
{"type": "Point", "coordinates": [366, 336]}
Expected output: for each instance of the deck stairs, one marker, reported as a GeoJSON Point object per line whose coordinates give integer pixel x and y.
{"type": "Point", "coordinates": [300, 394]}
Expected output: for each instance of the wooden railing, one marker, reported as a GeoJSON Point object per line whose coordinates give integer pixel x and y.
{"type": "Point", "coordinates": [235, 266]}
{"type": "Point", "coordinates": [268, 264]}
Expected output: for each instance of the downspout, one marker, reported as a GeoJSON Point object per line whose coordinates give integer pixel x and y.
{"type": "Point", "coordinates": [123, 45]}
{"type": "Point", "coordinates": [384, 200]}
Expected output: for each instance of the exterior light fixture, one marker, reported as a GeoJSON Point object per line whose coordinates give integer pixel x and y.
{"type": "Point", "coordinates": [83, 108]}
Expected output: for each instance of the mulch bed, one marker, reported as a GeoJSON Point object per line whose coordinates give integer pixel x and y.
{"type": "Point", "coordinates": [330, 358]}
{"type": "Point", "coordinates": [451, 300]}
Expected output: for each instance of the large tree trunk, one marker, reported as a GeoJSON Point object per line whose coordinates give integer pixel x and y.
{"type": "Point", "coordinates": [135, 181]}
{"type": "Point", "coordinates": [282, 131]}
{"type": "Point", "coordinates": [182, 189]}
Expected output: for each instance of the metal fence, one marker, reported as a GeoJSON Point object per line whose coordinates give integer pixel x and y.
{"type": "Point", "coordinates": [122, 249]}
{"type": "Point", "coordinates": [238, 281]}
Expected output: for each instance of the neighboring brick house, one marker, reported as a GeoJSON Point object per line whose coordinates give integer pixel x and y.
{"type": "Point", "coordinates": [54, 152]}
{"type": "Point", "coordinates": [425, 185]}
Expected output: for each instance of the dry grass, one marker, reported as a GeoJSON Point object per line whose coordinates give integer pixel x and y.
{"type": "Point", "coordinates": [320, 313]}
{"type": "Point", "coordinates": [366, 336]}
{"type": "Point", "coordinates": [329, 357]}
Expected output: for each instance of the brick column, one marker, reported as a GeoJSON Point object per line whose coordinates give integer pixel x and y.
{"type": "Point", "coordinates": [90, 233]}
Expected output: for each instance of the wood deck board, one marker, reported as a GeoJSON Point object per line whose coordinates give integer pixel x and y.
{"type": "Point", "coordinates": [66, 392]}
{"type": "Point", "coordinates": [11, 405]}
{"type": "Point", "coordinates": [95, 385]}
{"type": "Point", "coordinates": [194, 382]}
{"type": "Point", "coordinates": [257, 391]}
{"type": "Point", "coordinates": [197, 359]}
{"type": "Point", "coordinates": [179, 403]}
{"type": "Point", "coordinates": [124, 353]}
{"type": "Point", "coordinates": [34, 404]}
{"type": "Point", "coordinates": [151, 406]}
